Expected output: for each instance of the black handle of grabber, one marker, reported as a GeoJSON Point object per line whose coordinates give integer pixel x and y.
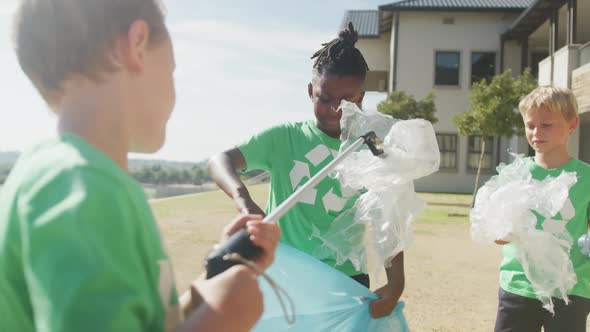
{"type": "Point", "coordinates": [371, 142]}
{"type": "Point", "coordinates": [238, 243]}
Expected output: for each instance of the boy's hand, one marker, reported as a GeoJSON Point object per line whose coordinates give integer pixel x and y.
{"type": "Point", "coordinates": [247, 206]}
{"type": "Point", "coordinates": [263, 235]}
{"type": "Point", "coordinates": [389, 294]}
{"type": "Point", "coordinates": [388, 298]}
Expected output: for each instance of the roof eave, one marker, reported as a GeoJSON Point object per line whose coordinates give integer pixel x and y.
{"type": "Point", "coordinates": [513, 31]}
{"type": "Point", "coordinates": [451, 9]}
{"type": "Point", "coordinates": [369, 36]}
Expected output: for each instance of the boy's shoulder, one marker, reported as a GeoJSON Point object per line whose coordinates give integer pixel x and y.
{"type": "Point", "coordinates": [295, 125]}
{"type": "Point", "coordinates": [61, 179]}
{"type": "Point", "coordinates": [583, 172]}
{"type": "Point", "coordinates": [66, 161]}
{"type": "Point", "coordinates": [286, 129]}
{"type": "Point", "coordinates": [585, 167]}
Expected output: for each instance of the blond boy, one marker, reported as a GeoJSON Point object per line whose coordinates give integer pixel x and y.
{"type": "Point", "coordinates": [550, 117]}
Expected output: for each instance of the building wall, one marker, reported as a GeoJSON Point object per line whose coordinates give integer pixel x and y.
{"type": "Point", "coordinates": [581, 87]}
{"type": "Point", "coordinates": [545, 72]}
{"type": "Point", "coordinates": [376, 51]}
{"type": "Point", "coordinates": [565, 60]}
{"type": "Point", "coordinates": [420, 35]}
{"type": "Point", "coordinates": [512, 58]}
{"type": "Point", "coordinates": [585, 137]}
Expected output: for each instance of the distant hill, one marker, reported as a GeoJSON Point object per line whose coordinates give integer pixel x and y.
{"type": "Point", "coordinates": [137, 164]}
{"type": "Point", "coordinates": [171, 171]}
{"type": "Point", "coordinates": [174, 171]}
{"type": "Point", "coordinates": [8, 158]}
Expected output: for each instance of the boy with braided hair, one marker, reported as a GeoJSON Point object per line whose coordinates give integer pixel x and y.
{"type": "Point", "coordinates": [293, 152]}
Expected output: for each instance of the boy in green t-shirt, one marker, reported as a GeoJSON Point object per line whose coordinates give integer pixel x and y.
{"type": "Point", "coordinates": [550, 116]}
{"type": "Point", "coordinates": [79, 246]}
{"type": "Point", "coordinates": [295, 152]}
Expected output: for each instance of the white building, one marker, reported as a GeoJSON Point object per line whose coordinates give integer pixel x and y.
{"type": "Point", "coordinates": [419, 46]}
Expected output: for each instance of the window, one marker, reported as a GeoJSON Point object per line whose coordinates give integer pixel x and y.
{"type": "Point", "coordinates": [483, 66]}
{"type": "Point", "coordinates": [447, 144]}
{"type": "Point", "coordinates": [447, 68]}
{"type": "Point", "coordinates": [474, 151]}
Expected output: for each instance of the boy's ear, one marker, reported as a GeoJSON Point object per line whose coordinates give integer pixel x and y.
{"type": "Point", "coordinates": [132, 46]}
{"type": "Point", "coordinates": [574, 124]}
{"type": "Point", "coordinates": [310, 90]}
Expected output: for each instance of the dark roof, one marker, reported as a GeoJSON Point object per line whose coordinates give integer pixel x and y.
{"type": "Point", "coordinates": [459, 5]}
{"type": "Point", "coordinates": [366, 22]}
{"type": "Point", "coordinates": [532, 18]}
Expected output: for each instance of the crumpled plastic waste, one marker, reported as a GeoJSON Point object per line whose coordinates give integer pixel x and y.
{"type": "Point", "coordinates": [379, 225]}
{"type": "Point", "coordinates": [504, 211]}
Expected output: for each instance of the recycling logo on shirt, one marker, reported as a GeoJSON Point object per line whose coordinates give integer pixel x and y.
{"type": "Point", "coordinates": [300, 171]}
{"type": "Point", "coordinates": [556, 224]}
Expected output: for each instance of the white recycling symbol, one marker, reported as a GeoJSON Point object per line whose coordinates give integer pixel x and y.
{"type": "Point", "coordinates": [300, 171]}
{"type": "Point", "coordinates": [556, 226]}
{"type": "Point", "coordinates": [333, 202]}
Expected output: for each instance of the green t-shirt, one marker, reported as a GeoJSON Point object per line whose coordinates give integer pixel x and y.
{"type": "Point", "coordinates": [573, 216]}
{"type": "Point", "coordinates": [79, 247]}
{"type": "Point", "coordinates": [294, 153]}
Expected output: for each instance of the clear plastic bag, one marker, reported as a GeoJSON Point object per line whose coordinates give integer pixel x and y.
{"type": "Point", "coordinates": [379, 225]}
{"type": "Point", "coordinates": [504, 211]}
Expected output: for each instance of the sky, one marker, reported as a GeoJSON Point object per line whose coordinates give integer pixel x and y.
{"type": "Point", "coordinates": [242, 66]}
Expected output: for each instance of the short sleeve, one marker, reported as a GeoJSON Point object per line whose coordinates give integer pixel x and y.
{"type": "Point", "coordinates": [259, 150]}
{"type": "Point", "coordinates": [82, 266]}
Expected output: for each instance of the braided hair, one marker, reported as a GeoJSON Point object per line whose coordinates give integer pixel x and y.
{"type": "Point", "coordinates": [340, 57]}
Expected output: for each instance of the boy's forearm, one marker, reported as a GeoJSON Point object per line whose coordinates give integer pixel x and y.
{"type": "Point", "coordinates": [224, 172]}
{"type": "Point", "coordinates": [390, 294]}
{"type": "Point", "coordinates": [204, 318]}
{"type": "Point", "coordinates": [190, 300]}
{"type": "Point", "coordinates": [395, 273]}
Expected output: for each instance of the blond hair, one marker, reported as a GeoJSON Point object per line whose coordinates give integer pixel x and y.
{"type": "Point", "coordinates": [57, 38]}
{"type": "Point", "coordinates": [559, 100]}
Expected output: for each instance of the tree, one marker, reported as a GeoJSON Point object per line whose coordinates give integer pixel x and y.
{"type": "Point", "coordinates": [494, 110]}
{"type": "Point", "coordinates": [197, 175]}
{"type": "Point", "coordinates": [161, 176]}
{"type": "Point", "coordinates": [185, 176]}
{"type": "Point", "coordinates": [147, 175]}
{"type": "Point", "coordinates": [173, 176]}
{"type": "Point", "coordinates": [403, 106]}
{"type": "Point", "coordinates": [144, 175]}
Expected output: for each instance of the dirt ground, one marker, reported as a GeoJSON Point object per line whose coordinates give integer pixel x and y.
{"type": "Point", "coordinates": [451, 281]}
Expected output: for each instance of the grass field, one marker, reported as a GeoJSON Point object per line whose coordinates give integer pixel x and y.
{"type": "Point", "coordinates": [451, 282]}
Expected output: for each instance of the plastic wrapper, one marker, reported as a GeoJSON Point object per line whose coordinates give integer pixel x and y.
{"type": "Point", "coordinates": [325, 299]}
{"type": "Point", "coordinates": [379, 225]}
{"type": "Point", "coordinates": [504, 211]}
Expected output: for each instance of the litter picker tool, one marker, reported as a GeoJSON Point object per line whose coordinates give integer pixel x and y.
{"type": "Point", "coordinates": [221, 258]}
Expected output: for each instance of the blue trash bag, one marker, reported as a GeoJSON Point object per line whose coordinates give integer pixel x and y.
{"type": "Point", "coordinates": [325, 299]}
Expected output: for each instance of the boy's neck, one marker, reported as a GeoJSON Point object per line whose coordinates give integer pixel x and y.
{"type": "Point", "coordinates": [96, 113]}
{"type": "Point", "coordinates": [553, 159]}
